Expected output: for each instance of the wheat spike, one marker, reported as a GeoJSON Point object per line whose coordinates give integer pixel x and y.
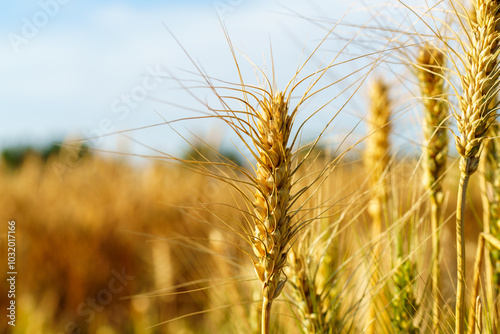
{"type": "Point", "coordinates": [377, 151]}
{"type": "Point", "coordinates": [479, 89]}
{"type": "Point", "coordinates": [376, 160]}
{"type": "Point", "coordinates": [404, 304]}
{"type": "Point", "coordinates": [490, 189]}
{"type": "Point", "coordinates": [272, 219]}
{"type": "Point", "coordinates": [313, 288]}
{"type": "Point", "coordinates": [430, 72]}
{"type": "Point", "coordinates": [479, 319]}
{"type": "Point", "coordinates": [304, 295]}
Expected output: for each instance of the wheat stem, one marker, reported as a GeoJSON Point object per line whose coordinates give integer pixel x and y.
{"type": "Point", "coordinates": [460, 235]}
{"type": "Point", "coordinates": [479, 319]}
{"type": "Point", "coordinates": [476, 280]}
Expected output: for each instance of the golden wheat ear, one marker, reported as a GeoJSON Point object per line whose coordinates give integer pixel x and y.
{"type": "Point", "coordinates": [321, 272]}
{"type": "Point", "coordinates": [376, 156]}
{"type": "Point", "coordinates": [272, 197]}
{"type": "Point", "coordinates": [262, 118]}
{"type": "Point", "coordinates": [430, 72]}
{"type": "Point", "coordinates": [376, 160]}
{"type": "Point", "coordinates": [479, 82]}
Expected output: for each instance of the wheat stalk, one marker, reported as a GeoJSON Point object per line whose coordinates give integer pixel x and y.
{"type": "Point", "coordinates": [475, 314]}
{"type": "Point", "coordinates": [376, 159]}
{"type": "Point", "coordinates": [404, 304]}
{"type": "Point", "coordinates": [478, 83]}
{"type": "Point", "coordinates": [489, 167]}
{"type": "Point", "coordinates": [479, 320]}
{"type": "Point", "coordinates": [272, 219]}
{"type": "Point", "coordinates": [303, 291]}
{"type": "Point", "coordinates": [266, 131]}
{"type": "Point", "coordinates": [430, 72]}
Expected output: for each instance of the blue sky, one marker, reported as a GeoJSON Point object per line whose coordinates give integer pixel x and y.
{"type": "Point", "coordinates": [68, 65]}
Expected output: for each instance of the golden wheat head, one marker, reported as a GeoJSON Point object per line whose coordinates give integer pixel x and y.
{"type": "Point", "coordinates": [478, 83]}
{"type": "Point", "coordinates": [272, 196]}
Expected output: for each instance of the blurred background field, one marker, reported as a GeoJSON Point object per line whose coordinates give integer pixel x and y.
{"type": "Point", "coordinates": [80, 221]}
{"type": "Point", "coordinates": [83, 219]}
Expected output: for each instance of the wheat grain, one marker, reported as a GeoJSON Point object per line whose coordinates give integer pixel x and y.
{"type": "Point", "coordinates": [479, 87]}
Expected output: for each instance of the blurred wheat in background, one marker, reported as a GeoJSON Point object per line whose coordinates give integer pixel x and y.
{"type": "Point", "coordinates": [283, 231]}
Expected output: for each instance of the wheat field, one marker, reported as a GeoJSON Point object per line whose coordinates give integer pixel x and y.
{"type": "Point", "coordinates": [286, 232]}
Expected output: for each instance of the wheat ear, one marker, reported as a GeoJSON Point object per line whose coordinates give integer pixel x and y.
{"type": "Point", "coordinates": [376, 155]}
{"type": "Point", "coordinates": [490, 196]}
{"type": "Point", "coordinates": [478, 83]}
{"type": "Point", "coordinates": [430, 72]}
{"type": "Point", "coordinates": [306, 298]}
{"type": "Point", "coordinates": [314, 276]}
{"type": "Point", "coordinates": [376, 160]}
{"type": "Point", "coordinates": [272, 197]}
{"type": "Point", "coordinates": [475, 313]}
{"type": "Point", "coordinates": [479, 320]}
